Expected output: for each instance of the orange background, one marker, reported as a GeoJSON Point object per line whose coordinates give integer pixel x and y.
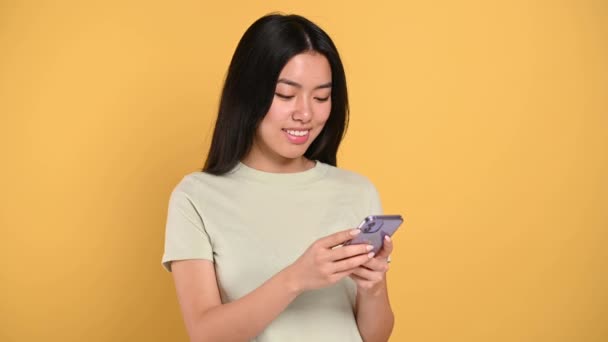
{"type": "Point", "coordinates": [485, 123]}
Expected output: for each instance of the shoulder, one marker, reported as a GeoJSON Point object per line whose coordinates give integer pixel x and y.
{"type": "Point", "coordinates": [348, 177]}
{"type": "Point", "coordinates": [189, 182]}
{"type": "Point", "coordinates": [358, 186]}
{"type": "Point", "coordinates": [195, 179]}
{"type": "Point", "coordinates": [196, 183]}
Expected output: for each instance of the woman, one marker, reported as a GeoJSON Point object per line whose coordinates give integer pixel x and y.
{"type": "Point", "coordinates": [251, 241]}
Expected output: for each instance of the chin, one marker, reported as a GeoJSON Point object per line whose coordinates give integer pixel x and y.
{"type": "Point", "coordinates": [294, 153]}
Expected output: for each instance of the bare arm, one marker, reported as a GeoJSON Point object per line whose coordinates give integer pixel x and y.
{"type": "Point", "coordinates": [374, 315]}
{"type": "Point", "coordinates": [207, 319]}
{"type": "Point", "coordinates": [375, 318]}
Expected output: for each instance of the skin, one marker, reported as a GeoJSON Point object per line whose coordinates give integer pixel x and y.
{"type": "Point", "coordinates": [302, 101]}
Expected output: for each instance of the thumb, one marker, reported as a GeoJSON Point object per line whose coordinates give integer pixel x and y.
{"type": "Point", "coordinates": [387, 248]}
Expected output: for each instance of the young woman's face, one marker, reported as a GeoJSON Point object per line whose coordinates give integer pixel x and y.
{"type": "Point", "coordinates": [299, 110]}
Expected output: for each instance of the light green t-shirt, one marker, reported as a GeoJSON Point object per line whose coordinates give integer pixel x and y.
{"type": "Point", "coordinates": [252, 224]}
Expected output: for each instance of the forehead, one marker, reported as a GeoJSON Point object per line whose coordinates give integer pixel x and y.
{"type": "Point", "coordinates": [308, 68]}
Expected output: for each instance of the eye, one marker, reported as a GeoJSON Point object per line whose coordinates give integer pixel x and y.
{"type": "Point", "coordinates": [322, 99]}
{"type": "Point", "coordinates": [284, 97]}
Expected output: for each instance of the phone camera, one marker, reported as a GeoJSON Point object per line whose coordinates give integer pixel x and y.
{"type": "Point", "coordinates": [371, 225]}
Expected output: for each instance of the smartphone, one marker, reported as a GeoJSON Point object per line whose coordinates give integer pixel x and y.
{"type": "Point", "coordinates": [374, 228]}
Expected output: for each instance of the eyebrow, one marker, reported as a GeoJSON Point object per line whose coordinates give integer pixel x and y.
{"type": "Point", "coordinates": [298, 85]}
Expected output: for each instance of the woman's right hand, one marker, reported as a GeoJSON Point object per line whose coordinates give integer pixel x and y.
{"type": "Point", "coordinates": [322, 265]}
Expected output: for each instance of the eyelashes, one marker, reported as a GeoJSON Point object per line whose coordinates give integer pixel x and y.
{"type": "Point", "coordinates": [289, 97]}
{"type": "Point", "coordinates": [284, 97]}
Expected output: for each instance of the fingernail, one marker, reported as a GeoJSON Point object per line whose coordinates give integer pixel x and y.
{"type": "Point", "coordinates": [355, 232]}
{"type": "Point", "coordinates": [371, 255]}
{"type": "Point", "coordinates": [387, 238]}
{"type": "Point", "coordinates": [369, 247]}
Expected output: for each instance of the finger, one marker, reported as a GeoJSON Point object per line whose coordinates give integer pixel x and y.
{"type": "Point", "coordinates": [367, 274]}
{"type": "Point", "coordinates": [336, 277]}
{"type": "Point", "coordinates": [387, 248]}
{"type": "Point", "coordinates": [352, 262]}
{"type": "Point", "coordinates": [361, 282]}
{"type": "Point", "coordinates": [358, 280]}
{"type": "Point", "coordinates": [349, 251]}
{"type": "Point", "coordinates": [338, 238]}
{"type": "Point", "coordinates": [378, 264]}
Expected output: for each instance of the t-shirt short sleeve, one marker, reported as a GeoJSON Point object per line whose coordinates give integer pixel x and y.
{"type": "Point", "coordinates": [185, 234]}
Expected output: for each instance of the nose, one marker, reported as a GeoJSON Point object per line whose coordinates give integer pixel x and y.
{"type": "Point", "coordinates": [303, 110]}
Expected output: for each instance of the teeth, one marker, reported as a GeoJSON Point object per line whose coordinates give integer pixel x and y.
{"type": "Point", "coordinates": [298, 133]}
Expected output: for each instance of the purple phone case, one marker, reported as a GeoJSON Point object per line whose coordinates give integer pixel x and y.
{"type": "Point", "coordinates": [374, 228]}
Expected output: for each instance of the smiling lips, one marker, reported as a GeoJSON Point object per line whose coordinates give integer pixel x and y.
{"type": "Point", "coordinates": [296, 136]}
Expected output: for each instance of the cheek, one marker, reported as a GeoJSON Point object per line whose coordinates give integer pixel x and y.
{"type": "Point", "coordinates": [267, 128]}
{"type": "Point", "coordinates": [274, 117]}
{"type": "Point", "coordinates": [278, 109]}
{"type": "Point", "coordinates": [323, 111]}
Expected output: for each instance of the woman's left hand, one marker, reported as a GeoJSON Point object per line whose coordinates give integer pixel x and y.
{"type": "Point", "coordinates": [370, 275]}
